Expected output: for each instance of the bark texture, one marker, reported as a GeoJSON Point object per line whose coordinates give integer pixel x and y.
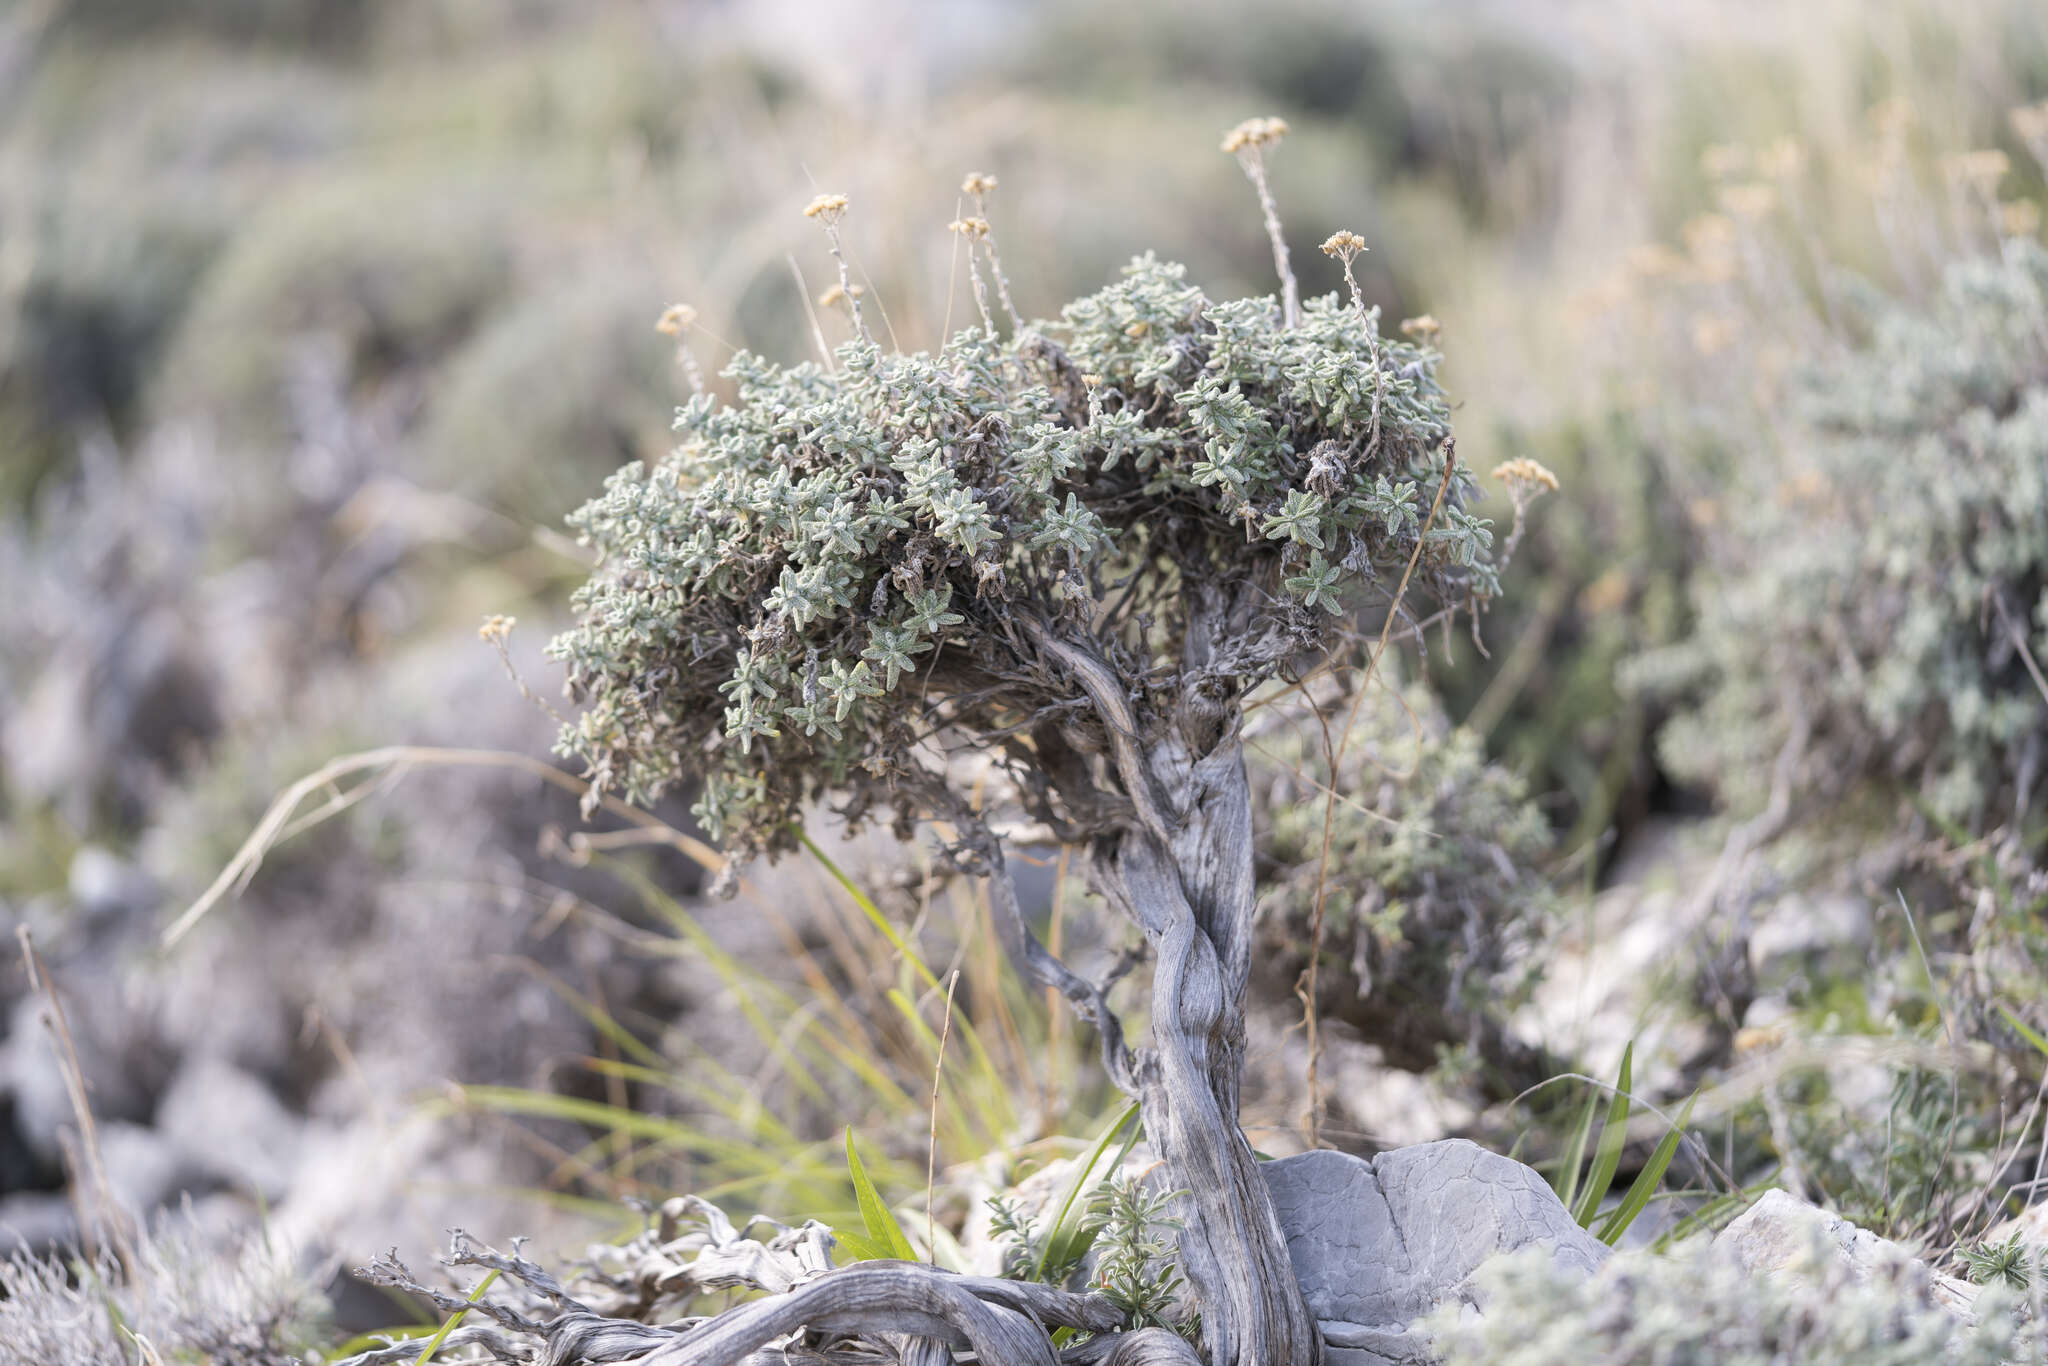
{"type": "Point", "coordinates": [1181, 869]}
{"type": "Point", "coordinates": [1192, 895]}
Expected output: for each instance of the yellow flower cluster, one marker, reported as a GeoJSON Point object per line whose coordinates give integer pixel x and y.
{"type": "Point", "coordinates": [1424, 329]}
{"type": "Point", "coordinates": [1346, 244]}
{"type": "Point", "coordinates": [1523, 470]}
{"type": "Point", "coordinates": [1254, 133]}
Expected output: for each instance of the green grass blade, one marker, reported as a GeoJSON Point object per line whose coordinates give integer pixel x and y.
{"type": "Point", "coordinates": [1080, 1183]}
{"type": "Point", "coordinates": [375, 1339]}
{"type": "Point", "coordinates": [1707, 1216]}
{"type": "Point", "coordinates": [868, 907]}
{"type": "Point", "coordinates": [881, 1224]}
{"type": "Point", "coordinates": [859, 1247]}
{"type": "Point", "coordinates": [1607, 1156]}
{"type": "Point", "coordinates": [1647, 1180]}
{"type": "Point", "coordinates": [979, 1129]}
{"type": "Point", "coordinates": [750, 991]}
{"type": "Point", "coordinates": [742, 1154]}
{"type": "Point", "coordinates": [434, 1345]}
{"type": "Point", "coordinates": [594, 1015]}
{"type": "Point", "coordinates": [2031, 1036]}
{"type": "Point", "coordinates": [1566, 1179]}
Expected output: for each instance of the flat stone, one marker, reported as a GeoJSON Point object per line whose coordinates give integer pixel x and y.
{"type": "Point", "coordinates": [1784, 1237]}
{"type": "Point", "coordinates": [1377, 1245]}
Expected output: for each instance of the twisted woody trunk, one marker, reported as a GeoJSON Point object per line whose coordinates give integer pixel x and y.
{"type": "Point", "coordinates": [1181, 870]}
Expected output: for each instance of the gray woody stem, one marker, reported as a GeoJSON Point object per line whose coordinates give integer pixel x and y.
{"type": "Point", "coordinates": [1183, 873]}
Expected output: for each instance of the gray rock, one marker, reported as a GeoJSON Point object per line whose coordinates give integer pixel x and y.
{"type": "Point", "coordinates": [1377, 1245]}
{"type": "Point", "coordinates": [1799, 929]}
{"type": "Point", "coordinates": [105, 887]}
{"type": "Point", "coordinates": [144, 1168]}
{"type": "Point", "coordinates": [232, 1126]}
{"type": "Point", "coordinates": [1783, 1237]}
{"type": "Point", "coordinates": [38, 1222]}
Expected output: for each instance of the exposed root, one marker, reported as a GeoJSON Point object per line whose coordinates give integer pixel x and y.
{"type": "Point", "coordinates": [809, 1310]}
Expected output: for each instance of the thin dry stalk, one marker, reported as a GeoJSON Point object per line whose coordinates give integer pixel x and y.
{"type": "Point", "coordinates": [101, 1215]}
{"type": "Point", "coordinates": [828, 209]}
{"type": "Point", "coordinates": [803, 292]}
{"type": "Point", "coordinates": [2019, 642]}
{"type": "Point", "coordinates": [1055, 943]}
{"type": "Point", "coordinates": [389, 763]}
{"type": "Point", "coordinates": [931, 1152]}
{"type": "Point", "coordinates": [1312, 1117]}
{"type": "Point", "coordinates": [975, 230]}
{"type": "Point", "coordinates": [1248, 142]}
{"type": "Point", "coordinates": [979, 185]}
{"type": "Point", "coordinates": [1307, 989]}
{"type": "Point", "coordinates": [676, 321]}
{"type": "Point", "coordinates": [1346, 246]}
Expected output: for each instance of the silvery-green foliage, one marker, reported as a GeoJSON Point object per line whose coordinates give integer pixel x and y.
{"type": "Point", "coordinates": [1699, 1308]}
{"type": "Point", "coordinates": [1135, 1254]}
{"type": "Point", "coordinates": [848, 566]}
{"type": "Point", "coordinates": [185, 1296]}
{"type": "Point", "coordinates": [1875, 599]}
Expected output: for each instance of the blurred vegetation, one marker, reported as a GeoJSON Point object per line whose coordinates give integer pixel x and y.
{"type": "Point", "coordinates": [1434, 891]}
{"type": "Point", "coordinates": [1703, 1306]}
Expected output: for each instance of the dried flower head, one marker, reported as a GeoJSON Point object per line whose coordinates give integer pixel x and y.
{"type": "Point", "coordinates": [969, 227]}
{"type": "Point", "coordinates": [1982, 169]}
{"type": "Point", "coordinates": [1254, 133]}
{"type": "Point", "coordinates": [826, 206]}
{"type": "Point", "coordinates": [1525, 471]}
{"type": "Point", "coordinates": [1424, 329]}
{"type": "Point", "coordinates": [1246, 142]}
{"type": "Point", "coordinates": [497, 629]}
{"type": "Point", "coordinates": [675, 320]}
{"type": "Point", "coordinates": [1345, 244]}
{"type": "Point", "coordinates": [977, 183]}
{"type": "Point", "coordinates": [1526, 480]}
{"type": "Point", "coordinates": [839, 294]}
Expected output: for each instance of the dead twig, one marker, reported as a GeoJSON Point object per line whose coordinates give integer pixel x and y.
{"type": "Point", "coordinates": [101, 1216]}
